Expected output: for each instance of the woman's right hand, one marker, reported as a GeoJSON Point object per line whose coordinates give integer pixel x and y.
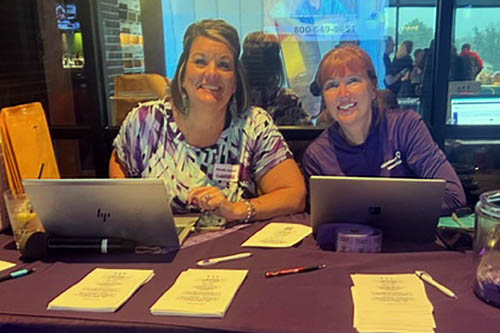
{"type": "Point", "coordinates": [210, 198]}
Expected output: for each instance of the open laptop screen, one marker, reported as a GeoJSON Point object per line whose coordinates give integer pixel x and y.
{"type": "Point", "coordinates": [132, 209]}
{"type": "Point", "coordinates": [475, 109]}
{"type": "Point", "coordinates": [404, 209]}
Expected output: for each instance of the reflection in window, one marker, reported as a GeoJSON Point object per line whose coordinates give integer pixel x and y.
{"type": "Point", "coordinates": [474, 89]}
{"type": "Point", "coordinates": [306, 30]}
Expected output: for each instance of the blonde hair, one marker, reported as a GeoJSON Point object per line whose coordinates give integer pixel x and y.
{"type": "Point", "coordinates": [405, 49]}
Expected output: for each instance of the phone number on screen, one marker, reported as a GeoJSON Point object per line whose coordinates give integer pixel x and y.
{"type": "Point", "coordinates": [325, 28]}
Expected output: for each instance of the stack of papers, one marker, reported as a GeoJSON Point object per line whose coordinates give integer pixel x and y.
{"type": "Point", "coordinates": [278, 235]}
{"type": "Point", "coordinates": [102, 290]}
{"type": "Point", "coordinates": [391, 303]}
{"type": "Point", "coordinates": [200, 293]}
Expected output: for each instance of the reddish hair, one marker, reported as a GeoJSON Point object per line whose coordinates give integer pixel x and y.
{"type": "Point", "coordinates": [348, 58]}
{"type": "Point", "coordinates": [341, 60]}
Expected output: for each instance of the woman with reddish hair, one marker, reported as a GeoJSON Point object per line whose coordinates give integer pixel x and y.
{"type": "Point", "coordinates": [367, 138]}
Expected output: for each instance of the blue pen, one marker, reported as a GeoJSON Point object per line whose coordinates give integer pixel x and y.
{"type": "Point", "coordinates": [16, 274]}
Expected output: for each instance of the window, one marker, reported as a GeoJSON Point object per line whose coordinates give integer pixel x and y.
{"type": "Point", "coordinates": [474, 88]}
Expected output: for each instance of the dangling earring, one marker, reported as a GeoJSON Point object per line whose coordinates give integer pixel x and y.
{"type": "Point", "coordinates": [233, 106]}
{"type": "Point", "coordinates": [185, 102]}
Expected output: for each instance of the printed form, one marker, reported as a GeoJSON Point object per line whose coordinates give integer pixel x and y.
{"type": "Point", "coordinates": [278, 235]}
{"type": "Point", "coordinates": [391, 303]}
{"type": "Point", "coordinates": [102, 290]}
{"type": "Point", "coordinates": [200, 293]}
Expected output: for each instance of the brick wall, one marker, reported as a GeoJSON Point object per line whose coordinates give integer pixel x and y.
{"type": "Point", "coordinates": [112, 49]}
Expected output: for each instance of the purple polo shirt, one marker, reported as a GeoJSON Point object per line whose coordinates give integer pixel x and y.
{"type": "Point", "coordinates": [398, 145]}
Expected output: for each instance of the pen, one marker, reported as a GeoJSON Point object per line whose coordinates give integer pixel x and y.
{"type": "Point", "coordinates": [428, 278]}
{"type": "Point", "coordinates": [211, 261]}
{"type": "Point", "coordinates": [294, 270]}
{"type": "Point", "coordinates": [16, 274]}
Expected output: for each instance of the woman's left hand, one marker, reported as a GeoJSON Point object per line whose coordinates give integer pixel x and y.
{"type": "Point", "coordinates": [210, 198]}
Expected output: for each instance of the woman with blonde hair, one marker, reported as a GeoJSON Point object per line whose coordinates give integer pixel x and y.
{"type": "Point", "coordinates": [367, 138]}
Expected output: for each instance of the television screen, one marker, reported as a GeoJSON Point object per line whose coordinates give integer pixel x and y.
{"type": "Point", "coordinates": [66, 17]}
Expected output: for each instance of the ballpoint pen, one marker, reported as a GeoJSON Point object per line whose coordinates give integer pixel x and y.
{"type": "Point", "coordinates": [16, 274]}
{"type": "Point", "coordinates": [294, 270]}
{"type": "Point", "coordinates": [428, 278]}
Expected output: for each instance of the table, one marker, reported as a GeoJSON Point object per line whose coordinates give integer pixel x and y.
{"type": "Point", "coordinates": [318, 301]}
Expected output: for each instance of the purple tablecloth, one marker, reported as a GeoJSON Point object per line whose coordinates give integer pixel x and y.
{"type": "Point", "coordinates": [318, 301]}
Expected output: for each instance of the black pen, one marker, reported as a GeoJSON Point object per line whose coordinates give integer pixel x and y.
{"type": "Point", "coordinates": [16, 274]}
{"type": "Point", "coordinates": [301, 269]}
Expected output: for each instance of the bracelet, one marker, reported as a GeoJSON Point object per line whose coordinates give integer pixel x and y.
{"type": "Point", "coordinates": [250, 211]}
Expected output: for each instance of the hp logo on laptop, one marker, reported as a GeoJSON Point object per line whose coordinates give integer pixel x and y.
{"type": "Point", "coordinates": [103, 215]}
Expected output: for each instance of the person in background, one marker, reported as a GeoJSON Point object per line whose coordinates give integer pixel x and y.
{"type": "Point", "coordinates": [412, 87]}
{"type": "Point", "coordinates": [417, 72]}
{"type": "Point", "coordinates": [368, 139]}
{"type": "Point", "coordinates": [262, 61]}
{"type": "Point", "coordinates": [474, 59]}
{"type": "Point", "coordinates": [389, 49]}
{"type": "Point", "coordinates": [462, 67]}
{"type": "Point", "coordinates": [214, 153]}
{"type": "Point", "coordinates": [401, 66]}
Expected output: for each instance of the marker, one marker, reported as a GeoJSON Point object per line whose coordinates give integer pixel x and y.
{"type": "Point", "coordinates": [294, 270]}
{"type": "Point", "coordinates": [16, 274]}
{"type": "Point", "coordinates": [428, 278]}
{"type": "Point", "coordinates": [211, 261]}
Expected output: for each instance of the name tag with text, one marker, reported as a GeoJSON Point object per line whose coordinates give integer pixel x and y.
{"type": "Point", "coordinates": [226, 172]}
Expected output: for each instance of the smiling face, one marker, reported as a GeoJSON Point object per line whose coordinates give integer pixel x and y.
{"type": "Point", "coordinates": [348, 99]}
{"type": "Point", "coordinates": [210, 78]}
{"type": "Point", "coordinates": [349, 85]}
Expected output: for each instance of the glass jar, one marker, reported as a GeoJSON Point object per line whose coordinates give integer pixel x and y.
{"type": "Point", "coordinates": [487, 248]}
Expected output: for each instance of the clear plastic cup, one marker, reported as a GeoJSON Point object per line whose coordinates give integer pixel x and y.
{"type": "Point", "coordinates": [23, 220]}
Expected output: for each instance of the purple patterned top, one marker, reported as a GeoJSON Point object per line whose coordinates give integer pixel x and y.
{"type": "Point", "coordinates": [150, 145]}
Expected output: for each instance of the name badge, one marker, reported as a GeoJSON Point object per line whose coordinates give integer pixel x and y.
{"type": "Point", "coordinates": [226, 172]}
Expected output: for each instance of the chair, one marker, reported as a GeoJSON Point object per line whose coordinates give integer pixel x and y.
{"type": "Point", "coordinates": [27, 150]}
{"type": "Point", "coordinates": [26, 145]}
{"type": "Point", "coordinates": [130, 89]}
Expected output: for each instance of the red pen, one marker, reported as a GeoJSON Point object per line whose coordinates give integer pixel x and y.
{"type": "Point", "coordinates": [294, 270]}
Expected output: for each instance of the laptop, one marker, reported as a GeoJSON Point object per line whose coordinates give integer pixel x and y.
{"type": "Point", "coordinates": [130, 209]}
{"type": "Point", "coordinates": [475, 110]}
{"type": "Point", "coordinates": [404, 209]}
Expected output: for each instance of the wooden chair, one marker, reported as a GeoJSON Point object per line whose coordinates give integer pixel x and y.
{"type": "Point", "coordinates": [130, 89]}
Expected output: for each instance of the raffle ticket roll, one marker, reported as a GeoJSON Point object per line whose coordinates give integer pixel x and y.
{"type": "Point", "coordinates": [349, 237]}
{"type": "Point", "coordinates": [358, 238]}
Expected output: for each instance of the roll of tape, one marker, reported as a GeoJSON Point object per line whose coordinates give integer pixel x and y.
{"type": "Point", "coordinates": [358, 238]}
{"type": "Point", "coordinates": [344, 237]}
